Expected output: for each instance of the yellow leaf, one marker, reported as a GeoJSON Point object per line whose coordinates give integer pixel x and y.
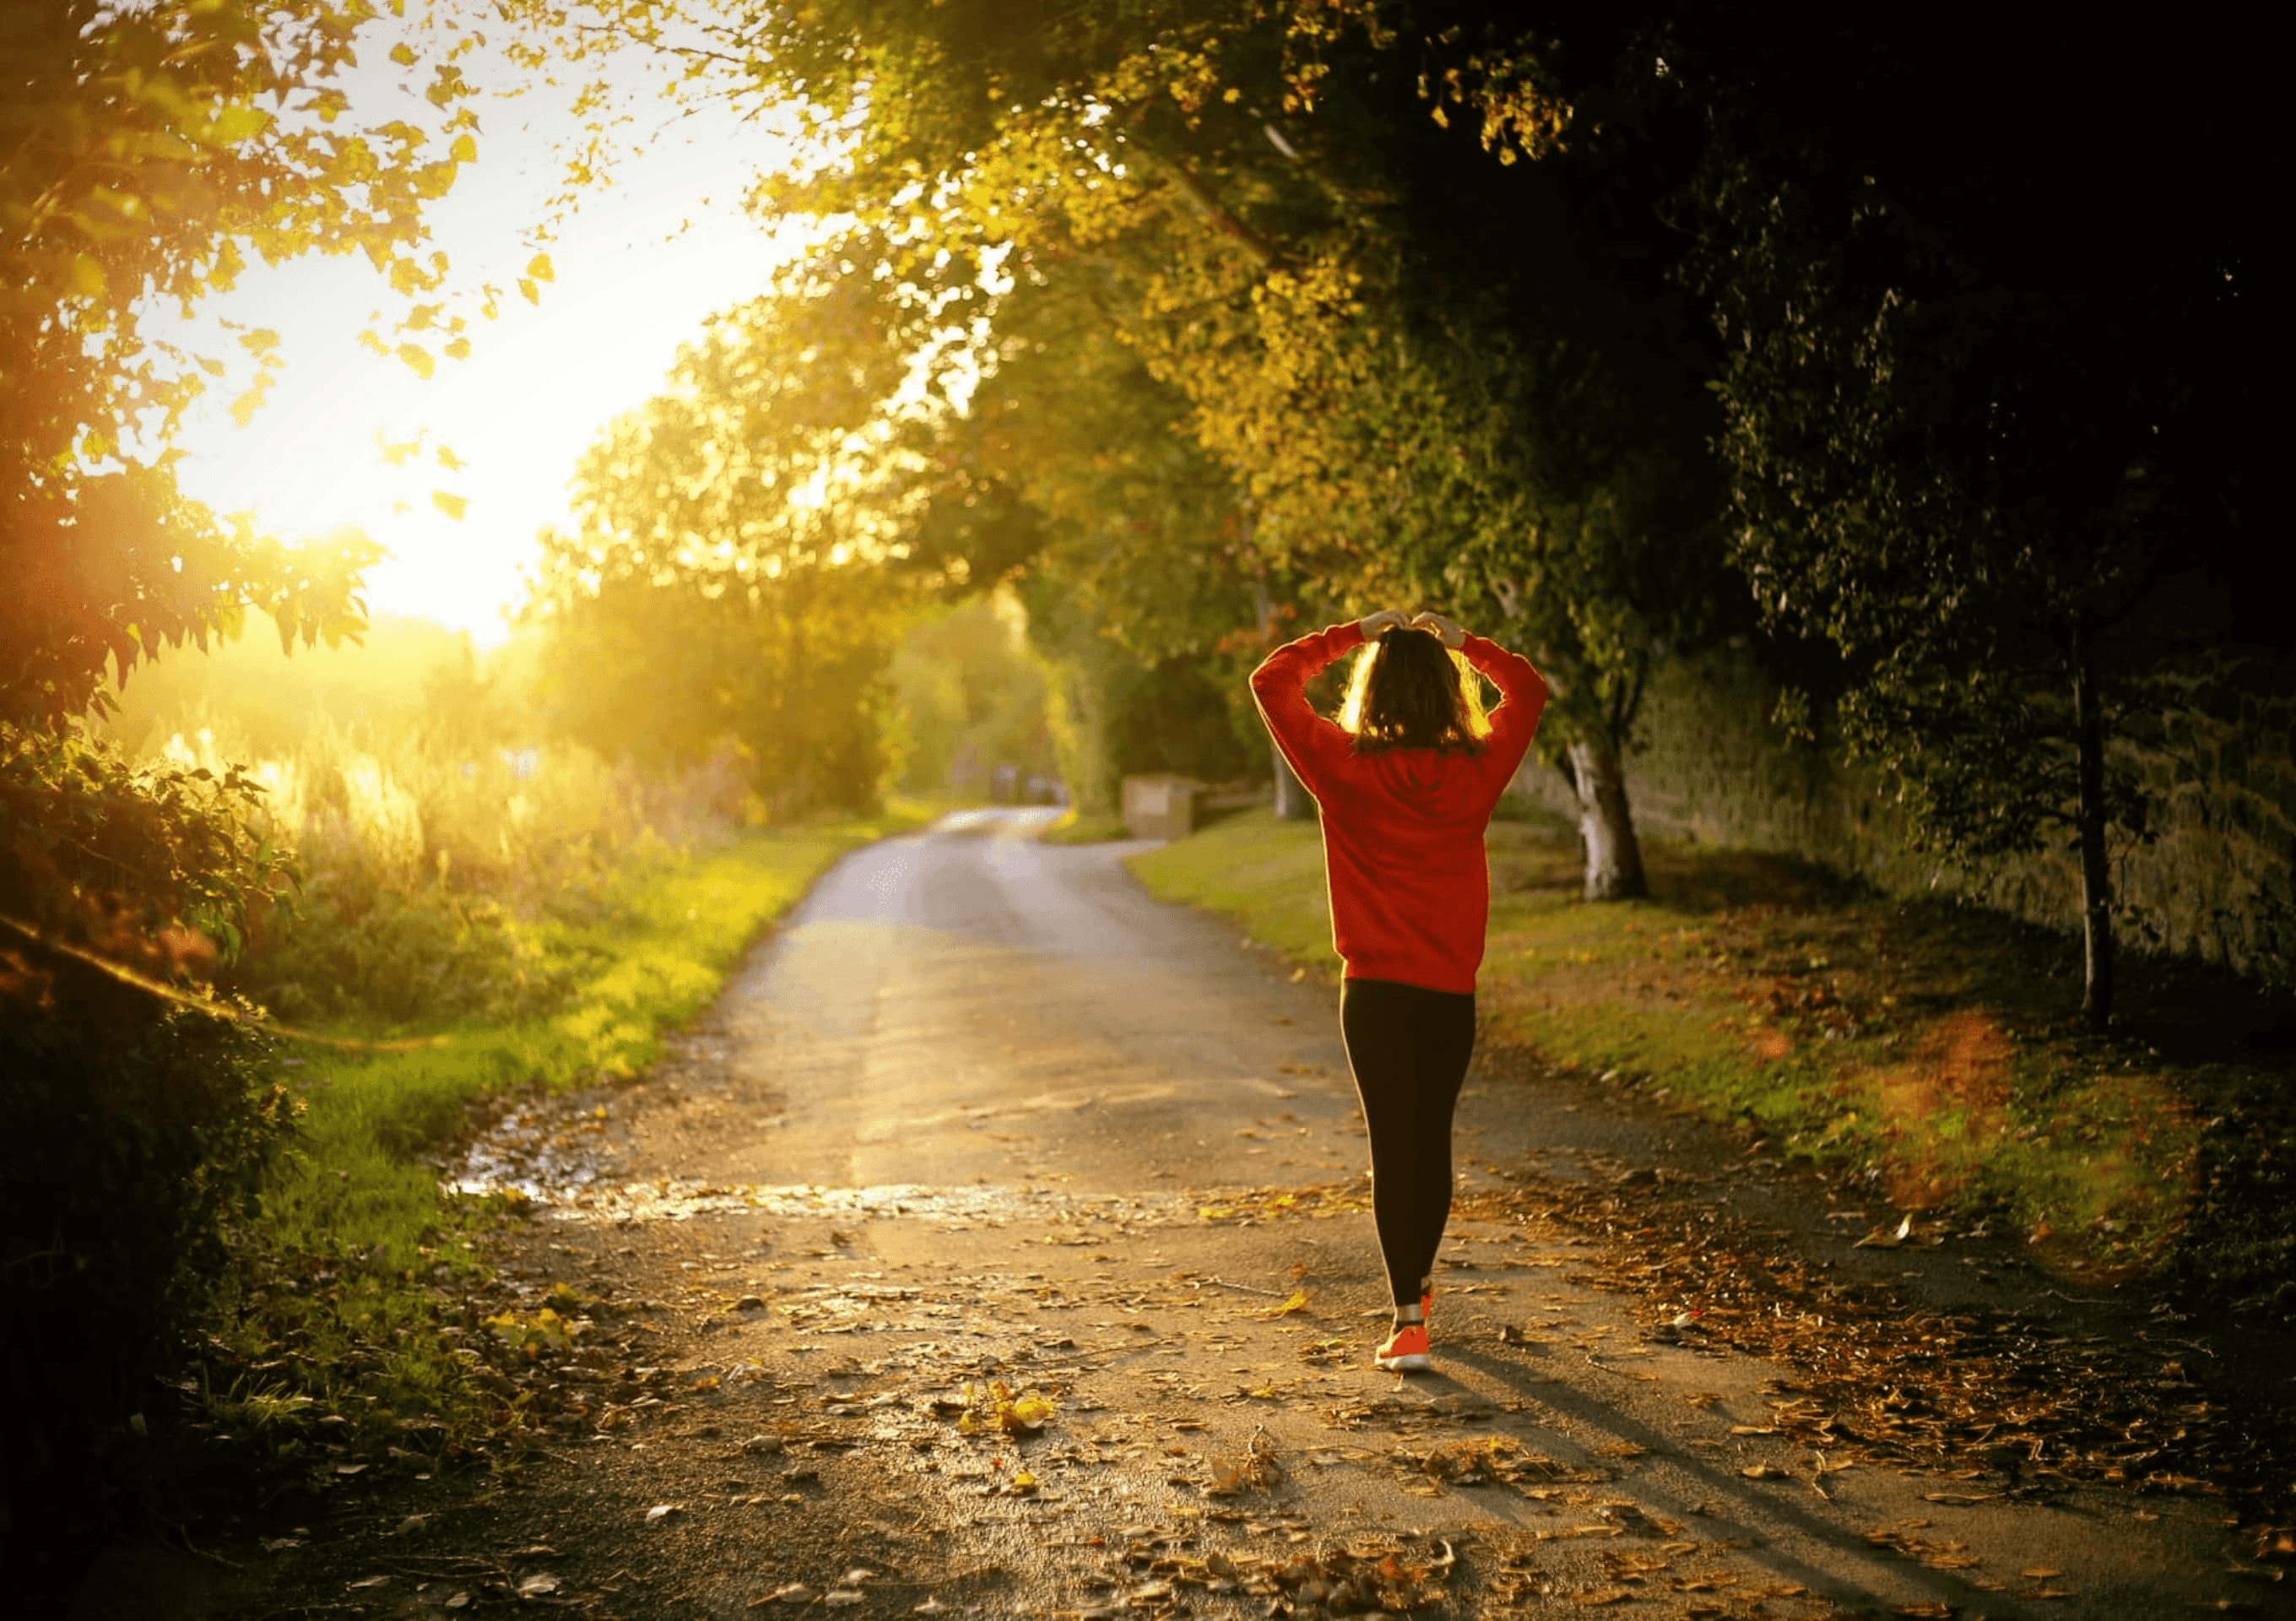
{"type": "Point", "coordinates": [1297, 1303]}
{"type": "Point", "coordinates": [417, 360]}
{"type": "Point", "coordinates": [538, 268]}
{"type": "Point", "coordinates": [1023, 1481]}
{"type": "Point", "coordinates": [452, 505]}
{"type": "Point", "coordinates": [533, 293]}
{"type": "Point", "coordinates": [403, 54]}
{"type": "Point", "coordinates": [464, 150]}
{"type": "Point", "coordinates": [459, 350]}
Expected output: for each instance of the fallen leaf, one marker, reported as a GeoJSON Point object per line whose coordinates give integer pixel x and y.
{"type": "Point", "coordinates": [1879, 1240]}
{"type": "Point", "coordinates": [662, 1511]}
{"type": "Point", "coordinates": [540, 1584]}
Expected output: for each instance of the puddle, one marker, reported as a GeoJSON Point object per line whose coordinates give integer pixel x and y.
{"type": "Point", "coordinates": [986, 1205]}
{"type": "Point", "coordinates": [544, 1151]}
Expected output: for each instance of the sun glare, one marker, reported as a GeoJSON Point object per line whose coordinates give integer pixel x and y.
{"type": "Point", "coordinates": [454, 474]}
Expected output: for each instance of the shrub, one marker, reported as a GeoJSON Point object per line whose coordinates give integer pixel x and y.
{"type": "Point", "coordinates": [131, 1126]}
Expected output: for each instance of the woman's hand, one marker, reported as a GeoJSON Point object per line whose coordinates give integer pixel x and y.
{"type": "Point", "coordinates": [1375, 625]}
{"type": "Point", "coordinates": [1450, 634]}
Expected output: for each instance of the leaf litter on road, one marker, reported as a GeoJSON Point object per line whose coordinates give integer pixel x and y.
{"type": "Point", "coordinates": [1965, 1393]}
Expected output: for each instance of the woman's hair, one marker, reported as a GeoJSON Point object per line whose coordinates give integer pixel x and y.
{"type": "Point", "coordinates": [1408, 691]}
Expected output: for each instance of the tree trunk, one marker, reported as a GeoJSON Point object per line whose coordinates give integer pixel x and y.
{"type": "Point", "coordinates": [1606, 825]}
{"type": "Point", "coordinates": [2096, 875]}
{"type": "Point", "coordinates": [1293, 802]}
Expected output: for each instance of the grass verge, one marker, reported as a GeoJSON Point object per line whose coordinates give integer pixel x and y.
{"type": "Point", "coordinates": [343, 1341]}
{"type": "Point", "coordinates": [1932, 1049]}
{"type": "Point", "coordinates": [1077, 828]}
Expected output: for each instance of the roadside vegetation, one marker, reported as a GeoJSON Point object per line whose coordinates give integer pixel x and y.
{"type": "Point", "coordinates": [1933, 1050]}
{"type": "Point", "coordinates": [1131, 343]}
{"type": "Point", "coordinates": [446, 908]}
{"type": "Point", "coordinates": [343, 1333]}
{"type": "Point", "coordinates": [1085, 828]}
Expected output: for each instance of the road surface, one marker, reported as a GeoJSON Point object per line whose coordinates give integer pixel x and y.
{"type": "Point", "coordinates": [998, 1247]}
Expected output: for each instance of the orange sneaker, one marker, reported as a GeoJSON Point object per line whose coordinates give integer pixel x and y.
{"type": "Point", "coordinates": [1405, 1351]}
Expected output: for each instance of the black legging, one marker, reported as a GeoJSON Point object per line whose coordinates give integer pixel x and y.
{"type": "Point", "coordinates": [1409, 1046]}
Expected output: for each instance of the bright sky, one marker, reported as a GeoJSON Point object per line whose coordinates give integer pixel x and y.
{"type": "Point", "coordinates": [542, 381]}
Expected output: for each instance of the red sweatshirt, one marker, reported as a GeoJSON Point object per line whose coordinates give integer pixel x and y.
{"type": "Point", "coordinates": [1403, 829]}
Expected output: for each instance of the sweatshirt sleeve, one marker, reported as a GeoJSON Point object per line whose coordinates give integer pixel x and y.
{"type": "Point", "coordinates": [1314, 745]}
{"type": "Point", "coordinates": [1522, 698]}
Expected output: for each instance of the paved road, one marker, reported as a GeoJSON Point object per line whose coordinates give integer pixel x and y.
{"type": "Point", "coordinates": [972, 1006]}
{"type": "Point", "coordinates": [982, 1121]}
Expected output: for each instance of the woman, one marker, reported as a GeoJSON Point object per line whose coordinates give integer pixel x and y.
{"type": "Point", "coordinates": [1407, 780]}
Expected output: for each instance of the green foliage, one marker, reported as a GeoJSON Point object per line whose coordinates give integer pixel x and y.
{"type": "Point", "coordinates": [130, 1130]}
{"type": "Point", "coordinates": [261, 703]}
{"type": "Point", "coordinates": [971, 695]}
{"type": "Point", "coordinates": [1921, 1050]}
{"type": "Point", "coordinates": [728, 585]}
{"type": "Point", "coordinates": [2001, 464]}
{"type": "Point", "coordinates": [1175, 718]}
{"type": "Point", "coordinates": [342, 1316]}
{"type": "Point", "coordinates": [151, 149]}
{"type": "Point", "coordinates": [432, 861]}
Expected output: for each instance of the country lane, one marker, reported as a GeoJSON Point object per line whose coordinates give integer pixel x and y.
{"type": "Point", "coordinates": [999, 1246]}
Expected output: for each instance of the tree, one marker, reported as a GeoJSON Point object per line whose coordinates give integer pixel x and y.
{"type": "Point", "coordinates": [151, 149]}
{"type": "Point", "coordinates": [146, 152]}
{"type": "Point", "coordinates": [1412, 383]}
{"type": "Point", "coordinates": [730, 583]}
{"type": "Point", "coordinates": [1993, 398]}
{"type": "Point", "coordinates": [1067, 470]}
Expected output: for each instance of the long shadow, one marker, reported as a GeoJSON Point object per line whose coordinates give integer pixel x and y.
{"type": "Point", "coordinates": [1573, 1403]}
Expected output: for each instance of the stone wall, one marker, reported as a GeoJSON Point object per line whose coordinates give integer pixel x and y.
{"type": "Point", "coordinates": [2217, 880]}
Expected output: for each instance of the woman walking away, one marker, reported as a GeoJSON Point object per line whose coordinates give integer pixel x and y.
{"type": "Point", "coordinates": [1407, 780]}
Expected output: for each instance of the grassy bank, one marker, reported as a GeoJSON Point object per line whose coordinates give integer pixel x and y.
{"type": "Point", "coordinates": [1932, 1049]}
{"type": "Point", "coordinates": [343, 1334]}
{"type": "Point", "coordinates": [1075, 828]}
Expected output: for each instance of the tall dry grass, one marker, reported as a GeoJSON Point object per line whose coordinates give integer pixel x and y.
{"type": "Point", "coordinates": [444, 843]}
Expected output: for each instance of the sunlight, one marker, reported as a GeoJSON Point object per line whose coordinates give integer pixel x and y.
{"type": "Point", "coordinates": [455, 473]}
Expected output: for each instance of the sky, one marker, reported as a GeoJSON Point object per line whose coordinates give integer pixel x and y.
{"type": "Point", "coordinates": [638, 270]}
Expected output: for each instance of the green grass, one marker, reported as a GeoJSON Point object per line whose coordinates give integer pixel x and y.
{"type": "Point", "coordinates": [1078, 828]}
{"type": "Point", "coordinates": [1931, 1048]}
{"type": "Point", "coordinates": [346, 1299]}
